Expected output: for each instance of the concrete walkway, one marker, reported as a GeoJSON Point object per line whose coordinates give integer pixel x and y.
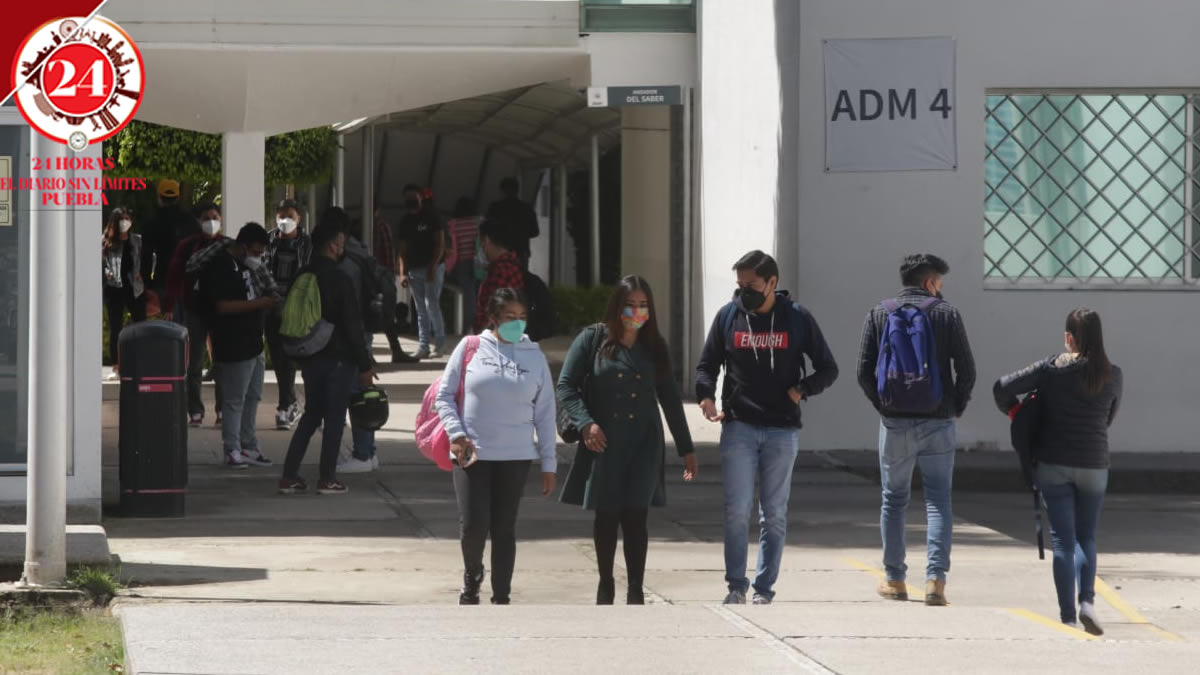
{"type": "Point", "coordinates": [252, 582]}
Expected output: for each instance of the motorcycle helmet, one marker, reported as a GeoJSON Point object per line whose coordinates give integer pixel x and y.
{"type": "Point", "coordinates": [369, 409]}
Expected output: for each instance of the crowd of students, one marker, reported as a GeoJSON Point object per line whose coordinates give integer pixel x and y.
{"type": "Point", "coordinates": [502, 410]}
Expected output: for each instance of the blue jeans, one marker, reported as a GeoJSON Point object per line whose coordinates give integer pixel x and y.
{"type": "Point", "coordinates": [768, 453]}
{"type": "Point", "coordinates": [927, 444]}
{"type": "Point", "coordinates": [241, 383]}
{"type": "Point", "coordinates": [427, 296]}
{"type": "Point", "coordinates": [1073, 498]}
{"type": "Point", "coordinates": [327, 385]}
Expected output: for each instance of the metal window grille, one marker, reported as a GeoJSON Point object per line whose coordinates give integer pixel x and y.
{"type": "Point", "coordinates": [1091, 189]}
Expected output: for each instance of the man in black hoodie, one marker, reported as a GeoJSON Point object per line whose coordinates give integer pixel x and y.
{"type": "Point", "coordinates": [761, 339]}
{"type": "Point", "coordinates": [330, 373]}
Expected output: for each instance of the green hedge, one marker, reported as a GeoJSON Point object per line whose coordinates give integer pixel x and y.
{"type": "Point", "coordinates": [577, 307]}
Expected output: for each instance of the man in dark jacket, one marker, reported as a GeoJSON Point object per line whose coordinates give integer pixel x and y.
{"type": "Point", "coordinates": [922, 439]}
{"type": "Point", "coordinates": [330, 373]}
{"type": "Point", "coordinates": [519, 219]}
{"type": "Point", "coordinates": [761, 339]}
{"type": "Point", "coordinates": [171, 224]}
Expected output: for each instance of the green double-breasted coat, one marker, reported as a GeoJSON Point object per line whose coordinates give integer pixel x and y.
{"type": "Point", "coordinates": [623, 397]}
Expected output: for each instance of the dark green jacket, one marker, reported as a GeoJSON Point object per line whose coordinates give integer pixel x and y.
{"type": "Point", "coordinates": [623, 397]}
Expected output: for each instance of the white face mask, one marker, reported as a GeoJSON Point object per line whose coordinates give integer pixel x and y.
{"type": "Point", "coordinates": [125, 225]}
{"type": "Point", "coordinates": [211, 227]}
{"type": "Point", "coordinates": [254, 261]}
{"type": "Point", "coordinates": [286, 225]}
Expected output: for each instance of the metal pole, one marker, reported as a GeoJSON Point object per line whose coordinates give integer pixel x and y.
{"type": "Point", "coordinates": [368, 184]}
{"type": "Point", "coordinates": [595, 194]}
{"type": "Point", "coordinates": [49, 382]}
{"type": "Point", "coordinates": [686, 267]}
{"type": "Point", "coordinates": [310, 220]}
{"type": "Point", "coordinates": [339, 174]}
{"type": "Point", "coordinates": [564, 247]}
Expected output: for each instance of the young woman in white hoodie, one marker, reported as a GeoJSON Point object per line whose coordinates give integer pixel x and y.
{"type": "Point", "coordinates": [505, 421]}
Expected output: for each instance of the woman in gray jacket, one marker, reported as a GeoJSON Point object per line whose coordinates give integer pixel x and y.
{"type": "Point", "coordinates": [121, 257]}
{"type": "Point", "coordinates": [1079, 392]}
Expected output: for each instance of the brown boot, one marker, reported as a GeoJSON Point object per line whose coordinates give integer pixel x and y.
{"type": "Point", "coordinates": [935, 593]}
{"type": "Point", "coordinates": [893, 590]}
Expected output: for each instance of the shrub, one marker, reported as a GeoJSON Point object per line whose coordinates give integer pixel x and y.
{"type": "Point", "coordinates": [577, 307]}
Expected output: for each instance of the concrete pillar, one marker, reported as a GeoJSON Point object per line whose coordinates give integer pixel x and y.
{"type": "Point", "coordinates": [243, 166]}
{"type": "Point", "coordinates": [595, 209]}
{"type": "Point", "coordinates": [50, 383]}
{"type": "Point", "coordinates": [740, 139]}
{"type": "Point", "coordinates": [339, 174]}
{"type": "Point", "coordinates": [368, 185]}
{"type": "Point", "coordinates": [646, 202]}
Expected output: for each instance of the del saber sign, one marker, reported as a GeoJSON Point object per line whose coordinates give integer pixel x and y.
{"type": "Point", "coordinates": [889, 105]}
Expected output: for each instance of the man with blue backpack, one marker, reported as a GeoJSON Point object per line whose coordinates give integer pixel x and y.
{"type": "Point", "coordinates": [761, 339]}
{"type": "Point", "coordinates": [909, 345]}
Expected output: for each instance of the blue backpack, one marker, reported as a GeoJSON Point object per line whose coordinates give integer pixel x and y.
{"type": "Point", "coordinates": [906, 373]}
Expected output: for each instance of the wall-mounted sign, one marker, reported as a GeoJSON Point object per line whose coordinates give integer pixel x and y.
{"type": "Point", "coordinates": [889, 105]}
{"type": "Point", "coordinates": [618, 97]}
{"type": "Point", "coordinates": [5, 195]}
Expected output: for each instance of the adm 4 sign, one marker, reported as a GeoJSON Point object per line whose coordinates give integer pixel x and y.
{"type": "Point", "coordinates": [900, 104]}
{"type": "Point", "coordinates": [889, 105]}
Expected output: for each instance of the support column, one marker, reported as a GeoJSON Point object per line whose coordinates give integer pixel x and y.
{"type": "Point", "coordinates": [595, 206]}
{"type": "Point", "coordinates": [646, 248]}
{"type": "Point", "coordinates": [562, 249]}
{"type": "Point", "coordinates": [50, 382]}
{"type": "Point", "coordinates": [339, 173]}
{"type": "Point", "coordinates": [243, 167]}
{"type": "Point", "coordinates": [368, 185]}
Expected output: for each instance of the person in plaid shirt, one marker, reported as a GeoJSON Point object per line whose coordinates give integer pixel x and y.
{"type": "Point", "coordinates": [504, 268]}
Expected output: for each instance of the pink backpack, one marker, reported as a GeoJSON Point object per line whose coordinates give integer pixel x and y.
{"type": "Point", "coordinates": [430, 434]}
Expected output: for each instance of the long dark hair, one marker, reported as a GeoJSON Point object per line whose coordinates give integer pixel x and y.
{"type": "Point", "coordinates": [1084, 326]}
{"type": "Point", "coordinates": [112, 227]}
{"type": "Point", "coordinates": [648, 336]}
{"type": "Point", "coordinates": [499, 299]}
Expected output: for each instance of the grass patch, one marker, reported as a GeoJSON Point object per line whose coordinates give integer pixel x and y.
{"type": "Point", "coordinates": [100, 585]}
{"type": "Point", "coordinates": [33, 641]}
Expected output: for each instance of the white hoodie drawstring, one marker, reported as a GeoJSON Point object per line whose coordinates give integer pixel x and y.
{"type": "Point", "coordinates": [770, 346]}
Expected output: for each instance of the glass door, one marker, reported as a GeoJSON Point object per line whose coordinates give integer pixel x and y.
{"type": "Point", "coordinates": [14, 290]}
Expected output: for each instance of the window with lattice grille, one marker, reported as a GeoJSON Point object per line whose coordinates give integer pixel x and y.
{"type": "Point", "coordinates": [1091, 189]}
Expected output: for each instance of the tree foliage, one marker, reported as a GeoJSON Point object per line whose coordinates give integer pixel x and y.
{"type": "Point", "coordinates": [153, 151]}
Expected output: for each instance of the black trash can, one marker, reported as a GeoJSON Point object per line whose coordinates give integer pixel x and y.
{"type": "Point", "coordinates": [153, 426]}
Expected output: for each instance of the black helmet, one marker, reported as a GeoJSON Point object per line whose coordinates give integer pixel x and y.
{"type": "Point", "coordinates": [369, 409]}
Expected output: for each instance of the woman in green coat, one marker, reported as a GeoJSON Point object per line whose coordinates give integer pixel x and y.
{"type": "Point", "coordinates": [615, 377]}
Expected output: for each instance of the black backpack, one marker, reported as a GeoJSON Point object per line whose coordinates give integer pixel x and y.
{"type": "Point", "coordinates": [541, 308]}
{"type": "Point", "coordinates": [378, 294]}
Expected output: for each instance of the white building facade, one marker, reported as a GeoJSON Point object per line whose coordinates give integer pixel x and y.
{"type": "Point", "coordinates": [1074, 127]}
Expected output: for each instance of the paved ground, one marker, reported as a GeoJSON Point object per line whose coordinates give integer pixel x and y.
{"type": "Point", "coordinates": [251, 582]}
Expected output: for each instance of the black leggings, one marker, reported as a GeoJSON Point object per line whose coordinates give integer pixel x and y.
{"type": "Point", "coordinates": [632, 523]}
{"type": "Point", "coordinates": [489, 495]}
{"type": "Point", "coordinates": [116, 300]}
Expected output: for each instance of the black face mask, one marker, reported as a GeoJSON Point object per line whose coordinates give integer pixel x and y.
{"type": "Point", "coordinates": [412, 204]}
{"type": "Point", "coordinates": [751, 299]}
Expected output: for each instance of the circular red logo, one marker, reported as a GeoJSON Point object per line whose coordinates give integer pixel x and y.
{"type": "Point", "coordinates": [79, 81]}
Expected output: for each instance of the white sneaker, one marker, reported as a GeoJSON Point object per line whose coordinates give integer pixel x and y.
{"type": "Point", "coordinates": [236, 460]}
{"type": "Point", "coordinates": [112, 375]}
{"type": "Point", "coordinates": [355, 465]}
{"type": "Point", "coordinates": [375, 461]}
{"type": "Point", "coordinates": [422, 353]}
{"type": "Point", "coordinates": [1087, 616]}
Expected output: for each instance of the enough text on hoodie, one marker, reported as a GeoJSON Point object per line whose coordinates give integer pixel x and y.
{"type": "Point", "coordinates": [508, 401]}
{"type": "Point", "coordinates": [764, 356]}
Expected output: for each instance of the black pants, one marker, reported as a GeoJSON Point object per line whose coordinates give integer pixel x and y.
{"type": "Point", "coordinates": [632, 523]}
{"type": "Point", "coordinates": [284, 367]}
{"type": "Point", "coordinates": [116, 300]}
{"type": "Point", "coordinates": [198, 329]}
{"type": "Point", "coordinates": [327, 384]}
{"type": "Point", "coordinates": [489, 495]}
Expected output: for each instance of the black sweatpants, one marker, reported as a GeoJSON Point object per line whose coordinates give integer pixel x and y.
{"type": "Point", "coordinates": [489, 495]}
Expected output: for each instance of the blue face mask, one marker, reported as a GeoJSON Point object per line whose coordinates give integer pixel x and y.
{"type": "Point", "coordinates": [511, 331]}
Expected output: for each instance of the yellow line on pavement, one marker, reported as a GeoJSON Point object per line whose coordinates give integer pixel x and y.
{"type": "Point", "coordinates": [1105, 591]}
{"type": "Point", "coordinates": [1050, 623]}
{"type": "Point", "coordinates": [913, 592]}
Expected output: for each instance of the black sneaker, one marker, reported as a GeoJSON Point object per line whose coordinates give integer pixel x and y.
{"type": "Point", "coordinates": [500, 601]}
{"type": "Point", "coordinates": [470, 590]}
{"type": "Point", "coordinates": [606, 592]}
{"type": "Point", "coordinates": [401, 357]}
{"type": "Point", "coordinates": [332, 487]}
